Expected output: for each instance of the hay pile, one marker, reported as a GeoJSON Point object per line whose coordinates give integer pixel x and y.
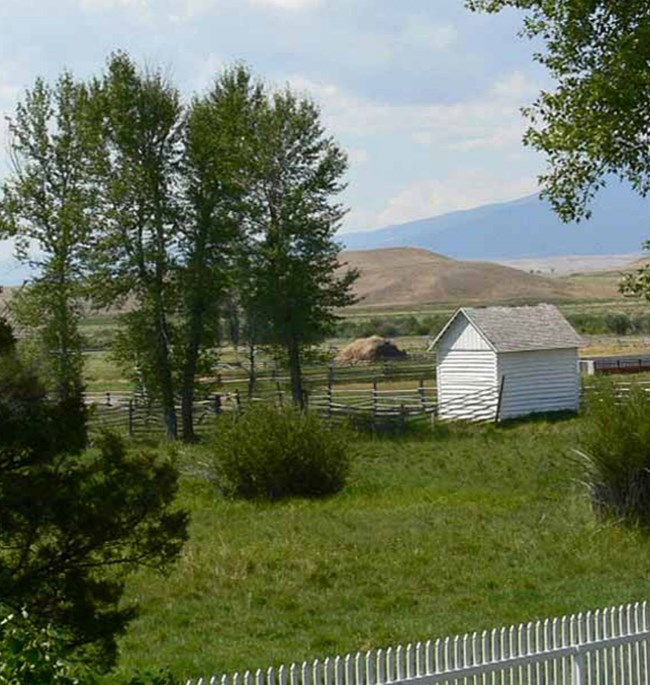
{"type": "Point", "coordinates": [374, 348]}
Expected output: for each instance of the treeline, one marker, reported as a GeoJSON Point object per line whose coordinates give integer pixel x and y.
{"type": "Point", "coordinates": [591, 323]}
{"type": "Point", "coordinates": [392, 326]}
{"type": "Point", "coordinates": [611, 323]}
{"type": "Point", "coordinates": [218, 208]}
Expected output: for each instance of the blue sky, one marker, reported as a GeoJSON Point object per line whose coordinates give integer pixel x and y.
{"type": "Point", "coordinates": [423, 94]}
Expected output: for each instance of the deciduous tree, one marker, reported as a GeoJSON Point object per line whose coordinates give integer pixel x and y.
{"type": "Point", "coordinates": [46, 205]}
{"type": "Point", "coordinates": [136, 237]}
{"type": "Point", "coordinates": [295, 282]}
{"type": "Point", "coordinates": [217, 172]}
{"type": "Point", "coordinates": [596, 120]}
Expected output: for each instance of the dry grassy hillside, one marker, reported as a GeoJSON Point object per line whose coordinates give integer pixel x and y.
{"type": "Point", "coordinates": [5, 294]}
{"type": "Point", "coordinates": [414, 276]}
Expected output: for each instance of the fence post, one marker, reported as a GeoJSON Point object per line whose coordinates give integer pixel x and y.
{"type": "Point", "coordinates": [499, 399]}
{"type": "Point", "coordinates": [237, 400]}
{"type": "Point", "coordinates": [375, 403]}
{"type": "Point", "coordinates": [108, 399]}
{"type": "Point", "coordinates": [131, 416]}
{"type": "Point", "coordinates": [423, 395]}
{"type": "Point", "coordinates": [278, 387]}
{"type": "Point", "coordinates": [217, 404]}
{"type": "Point", "coordinates": [578, 667]}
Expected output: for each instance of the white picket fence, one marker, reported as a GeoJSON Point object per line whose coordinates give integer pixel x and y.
{"type": "Point", "coordinates": [604, 647]}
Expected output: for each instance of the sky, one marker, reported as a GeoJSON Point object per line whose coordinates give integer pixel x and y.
{"type": "Point", "coordinates": [424, 95]}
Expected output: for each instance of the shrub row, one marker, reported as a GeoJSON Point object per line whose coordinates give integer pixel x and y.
{"type": "Point", "coordinates": [611, 323]}
{"type": "Point", "coordinates": [391, 326]}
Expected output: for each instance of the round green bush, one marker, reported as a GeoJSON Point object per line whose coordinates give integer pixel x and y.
{"type": "Point", "coordinates": [272, 453]}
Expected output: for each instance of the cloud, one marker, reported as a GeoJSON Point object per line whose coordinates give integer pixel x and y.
{"type": "Point", "coordinates": [110, 4]}
{"type": "Point", "coordinates": [516, 86]}
{"type": "Point", "coordinates": [489, 120]}
{"type": "Point", "coordinates": [499, 138]}
{"type": "Point", "coordinates": [421, 32]}
{"type": "Point", "coordinates": [357, 156]}
{"type": "Point", "coordinates": [292, 5]}
{"type": "Point", "coordinates": [205, 71]}
{"type": "Point", "coordinates": [462, 190]}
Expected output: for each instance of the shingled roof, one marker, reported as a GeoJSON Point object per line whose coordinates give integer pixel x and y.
{"type": "Point", "coordinates": [516, 329]}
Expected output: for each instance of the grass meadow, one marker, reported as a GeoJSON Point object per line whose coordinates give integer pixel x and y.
{"type": "Point", "coordinates": [438, 531]}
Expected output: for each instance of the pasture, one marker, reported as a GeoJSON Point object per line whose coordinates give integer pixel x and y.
{"type": "Point", "coordinates": [439, 531]}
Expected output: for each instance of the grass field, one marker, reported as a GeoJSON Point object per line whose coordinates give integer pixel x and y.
{"type": "Point", "coordinates": [437, 532]}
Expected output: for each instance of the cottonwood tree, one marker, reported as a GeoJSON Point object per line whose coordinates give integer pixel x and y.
{"type": "Point", "coordinates": [293, 262]}
{"type": "Point", "coordinates": [596, 121]}
{"type": "Point", "coordinates": [136, 238]}
{"type": "Point", "coordinates": [217, 173]}
{"type": "Point", "coordinates": [46, 204]}
{"type": "Point", "coordinates": [74, 524]}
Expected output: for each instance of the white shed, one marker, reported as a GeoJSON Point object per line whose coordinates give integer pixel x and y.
{"type": "Point", "coordinates": [506, 361]}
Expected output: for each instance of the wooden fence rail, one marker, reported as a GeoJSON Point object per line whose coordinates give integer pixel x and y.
{"type": "Point", "coordinates": [376, 407]}
{"type": "Point", "coordinates": [135, 416]}
{"type": "Point", "coordinates": [603, 647]}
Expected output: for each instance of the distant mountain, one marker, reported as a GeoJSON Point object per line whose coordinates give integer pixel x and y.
{"type": "Point", "coordinates": [527, 227]}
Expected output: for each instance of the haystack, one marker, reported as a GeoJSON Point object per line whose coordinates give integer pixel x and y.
{"type": "Point", "coordinates": [372, 349]}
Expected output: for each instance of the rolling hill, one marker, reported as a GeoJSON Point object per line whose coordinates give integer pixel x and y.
{"type": "Point", "coordinates": [409, 276]}
{"type": "Point", "coordinates": [526, 227]}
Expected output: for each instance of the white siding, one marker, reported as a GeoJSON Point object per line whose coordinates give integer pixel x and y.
{"type": "Point", "coordinates": [466, 374]}
{"type": "Point", "coordinates": [461, 335]}
{"type": "Point", "coordinates": [539, 381]}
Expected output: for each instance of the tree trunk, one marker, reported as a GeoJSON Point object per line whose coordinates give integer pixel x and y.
{"type": "Point", "coordinates": [295, 372]}
{"type": "Point", "coordinates": [252, 372]}
{"type": "Point", "coordinates": [165, 375]}
{"type": "Point", "coordinates": [189, 376]}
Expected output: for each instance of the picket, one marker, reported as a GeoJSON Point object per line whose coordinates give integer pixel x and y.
{"type": "Point", "coordinates": [602, 647]}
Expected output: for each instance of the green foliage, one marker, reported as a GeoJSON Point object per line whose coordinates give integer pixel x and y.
{"type": "Point", "coordinates": [391, 326]}
{"type": "Point", "coordinates": [613, 322]}
{"type": "Point", "coordinates": [7, 339]}
{"type": "Point", "coordinates": [73, 524]}
{"type": "Point", "coordinates": [295, 282]}
{"type": "Point", "coordinates": [161, 677]}
{"type": "Point", "coordinates": [138, 215]}
{"type": "Point", "coordinates": [46, 203]}
{"type": "Point", "coordinates": [33, 655]}
{"type": "Point", "coordinates": [594, 122]}
{"type": "Point", "coordinates": [187, 211]}
{"type": "Point", "coordinates": [271, 453]}
{"type": "Point", "coordinates": [615, 448]}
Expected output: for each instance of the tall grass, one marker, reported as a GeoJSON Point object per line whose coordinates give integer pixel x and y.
{"type": "Point", "coordinates": [615, 451]}
{"type": "Point", "coordinates": [454, 530]}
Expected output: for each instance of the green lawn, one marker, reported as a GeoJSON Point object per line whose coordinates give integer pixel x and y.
{"type": "Point", "coordinates": [461, 530]}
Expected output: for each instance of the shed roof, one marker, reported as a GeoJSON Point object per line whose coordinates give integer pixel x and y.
{"type": "Point", "coordinates": [517, 329]}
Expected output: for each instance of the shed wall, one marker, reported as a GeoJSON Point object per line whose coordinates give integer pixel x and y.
{"type": "Point", "coordinates": [461, 335]}
{"type": "Point", "coordinates": [466, 374]}
{"type": "Point", "coordinates": [539, 381]}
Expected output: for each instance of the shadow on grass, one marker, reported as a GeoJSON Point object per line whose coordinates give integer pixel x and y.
{"type": "Point", "coordinates": [551, 417]}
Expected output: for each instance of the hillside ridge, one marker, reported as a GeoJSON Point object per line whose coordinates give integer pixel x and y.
{"type": "Point", "coordinates": [408, 276]}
